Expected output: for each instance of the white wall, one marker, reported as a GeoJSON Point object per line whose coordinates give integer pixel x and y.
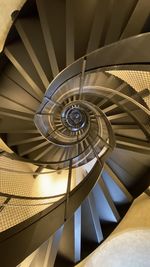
{"type": "Point", "coordinates": [129, 244]}
{"type": "Point", "coordinates": [6, 8]}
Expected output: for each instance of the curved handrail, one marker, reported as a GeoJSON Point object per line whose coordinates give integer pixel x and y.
{"type": "Point", "coordinates": [134, 53]}
{"type": "Point", "coordinates": [91, 179]}
{"type": "Point", "coordinates": [46, 222]}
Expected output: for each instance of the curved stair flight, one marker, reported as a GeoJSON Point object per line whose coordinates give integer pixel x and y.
{"type": "Point", "coordinates": [74, 126]}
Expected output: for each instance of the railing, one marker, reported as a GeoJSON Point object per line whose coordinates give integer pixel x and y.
{"type": "Point", "coordinates": [29, 197]}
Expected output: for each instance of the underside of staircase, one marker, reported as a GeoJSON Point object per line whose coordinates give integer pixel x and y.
{"type": "Point", "coordinates": [74, 126]}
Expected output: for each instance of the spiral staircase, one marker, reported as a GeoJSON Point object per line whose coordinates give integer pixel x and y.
{"type": "Point", "coordinates": [74, 106]}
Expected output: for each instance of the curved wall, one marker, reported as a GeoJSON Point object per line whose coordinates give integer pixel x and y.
{"type": "Point", "coordinates": [129, 244]}
{"type": "Point", "coordinates": [6, 9]}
